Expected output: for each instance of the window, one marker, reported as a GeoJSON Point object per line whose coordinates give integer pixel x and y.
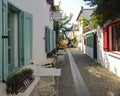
{"type": "Point", "coordinates": [50, 39]}
{"type": "Point", "coordinates": [111, 37]}
{"type": "Point", "coordinates": [115, 35]}
{"type": "Point", "coordinates": [16, 42]}
{"type": "Point", "coordinates": [13, 31]}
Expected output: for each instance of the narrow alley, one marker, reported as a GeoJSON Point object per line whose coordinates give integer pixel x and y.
{"type": "Point", "coordinates": [83, 76]}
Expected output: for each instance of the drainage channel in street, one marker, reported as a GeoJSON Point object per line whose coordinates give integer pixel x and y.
{"type": "Point", "coordinates": [80, 86]}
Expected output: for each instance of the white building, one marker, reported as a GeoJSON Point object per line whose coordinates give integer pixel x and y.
{"type": "Point", "coordinates": [27, 36]}
{"type": "Point", "coordinates": [84, 12]}
{"type": "Point", "coordinates": [103, 44]}
{"type": "Point", "coordinates": [40, 10]}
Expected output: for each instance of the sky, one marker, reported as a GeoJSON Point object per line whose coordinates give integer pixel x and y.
{"type": "Point", "coordinates": [72, 6]}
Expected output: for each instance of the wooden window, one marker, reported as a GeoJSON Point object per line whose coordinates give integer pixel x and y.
{"type": "Point", "coordinates": [115, 35]}
{"type": "Point", "coordinates": [13, 25]}
{"type": "Point", "coordinates": [16, 42]}
{"type": "Point", "coordinates": [18, 50]}
{"type": "Point", "coordinates": [50, 39]}
{"type": "Point", "coordinates": [111, 37]}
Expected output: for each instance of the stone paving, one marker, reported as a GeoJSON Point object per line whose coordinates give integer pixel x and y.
{"type": "Point", "coordinates": [65, 82]}
{"type": "Point", "coordinates": [99, 81]}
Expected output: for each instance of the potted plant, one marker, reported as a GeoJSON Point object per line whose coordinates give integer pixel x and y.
{"type": "Point", "coordinates": [19, 81]}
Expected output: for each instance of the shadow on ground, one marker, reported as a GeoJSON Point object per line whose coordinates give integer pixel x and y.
{"type": "Point", "coordinates": [99, 80]}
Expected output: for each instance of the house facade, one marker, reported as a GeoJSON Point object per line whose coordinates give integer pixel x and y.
{"type": "Point", "coordinates": [103, 45]}
{"type": "Point", "coordinates": [108, 43]}
{"type": "Point", "coordinates": [27, 36]}
{"type": "Point", "coordinates": [84, 13]}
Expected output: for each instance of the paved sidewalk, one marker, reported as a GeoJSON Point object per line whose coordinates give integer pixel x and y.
{"type": "Point", "coordinates": [99, 81]}
{"type": "Point", "coordinates": [65, 81]}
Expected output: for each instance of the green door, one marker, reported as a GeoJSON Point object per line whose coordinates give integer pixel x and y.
{"type": "Point", "coordinates": [5, 54]}
{"type": "Point", "coordinates": [27, 42]}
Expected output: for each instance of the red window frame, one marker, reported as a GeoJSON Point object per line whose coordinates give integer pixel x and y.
{"type": "Point", "coordinates": [106, 32]}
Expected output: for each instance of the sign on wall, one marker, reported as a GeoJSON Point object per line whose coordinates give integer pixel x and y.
{"type": "Point", "coordinates": [56, 16]}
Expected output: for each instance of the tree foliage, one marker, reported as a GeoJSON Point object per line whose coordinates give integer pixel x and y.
{"type": "Point", "coordinates": [106, 10]}
{"type": "Point", "coordinates": [95, 21]}
{"type": "Point", "coordinates": [63, 25]}
{"type": "Point", "coordinates": [84, 22]}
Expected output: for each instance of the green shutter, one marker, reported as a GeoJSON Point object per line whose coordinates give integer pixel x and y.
{"type": "Point", "coordinates": [46, 50]}
{"type": "Point", "coordinates": [47, 41]}
{"type": "Point", "coordinates": [54, 39]}
{"type": "Point", "coordinates": [4, 41]}
{"type": "Point", "coordinates": [0, 41]}
{"type": "Point", "coordinates": [51, 40]}
{"type": "Point", "coordinates": [20, 46]}
{"type": "Point", "coordinates": [27, 33]}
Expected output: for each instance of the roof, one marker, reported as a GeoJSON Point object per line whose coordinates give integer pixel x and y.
{"type": "Point", "coordinates": [88, 13]}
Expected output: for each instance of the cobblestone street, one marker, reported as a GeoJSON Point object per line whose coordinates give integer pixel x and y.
{"type": "Point", "coordinates": [99, 81]}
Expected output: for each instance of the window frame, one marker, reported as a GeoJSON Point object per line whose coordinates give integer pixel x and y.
{"type": "Point", "coordinates": [107, 37]}
{"type": "Point", "coordinates": [12, 10]}
{"type": "Point", "coordinates": [114, 35]}
{"type": "Point", "coordinates": [22, 59]}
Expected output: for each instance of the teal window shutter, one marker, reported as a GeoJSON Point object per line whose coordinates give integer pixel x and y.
{"type": "Point", "coordinates": [21, 40]}
{"type": "Point", "coordinates": [0, 41]}
{"type": "Point", "coordinates": [54, 39]}
{"type": "Point", "coordinates": [27, 40]}
{"type": "Point", "coordinates": [4, 13]}
{"type": "Point", "coordinates": [47, 39]}
{"type": "Point", "coordinates": [51, 40]}
{"type": "Point", "coordinates": [46, 49]}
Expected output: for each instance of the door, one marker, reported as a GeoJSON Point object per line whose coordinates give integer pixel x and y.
{"type": "Point", "coordinates": [95, 46]}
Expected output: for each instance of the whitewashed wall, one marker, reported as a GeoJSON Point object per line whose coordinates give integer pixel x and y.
{"type": "Point", "coordinates": [88, 51]}
{"type": "Point", "coordinates": [81, 43]}
{"type": "Point", "coordinates": [109, 60]}
{"type": "Point", "coordinates": [40, 11]}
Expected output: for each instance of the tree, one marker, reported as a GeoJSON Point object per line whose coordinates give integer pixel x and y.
{"type": "Point", "coordinates": [106, 10]}
{"type": "Point", "coordinates": [63, 26]}
{"type": "Point", "coordinates": [84, 22]}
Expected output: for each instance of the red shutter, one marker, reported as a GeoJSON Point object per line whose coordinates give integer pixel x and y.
{"type": "Point", "coordinates": [106, 46]}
